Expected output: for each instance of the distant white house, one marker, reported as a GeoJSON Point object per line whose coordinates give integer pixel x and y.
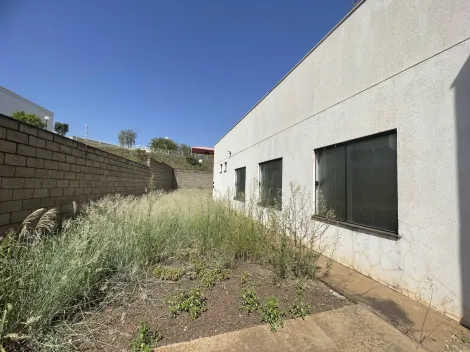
{"type": "Point", "coordinates": [11, 102]}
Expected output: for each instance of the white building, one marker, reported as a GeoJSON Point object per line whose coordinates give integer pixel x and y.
{"type": "Point", "coordinates": [377, 118]}
{"type": "Point", "coordinates": [11, 102]}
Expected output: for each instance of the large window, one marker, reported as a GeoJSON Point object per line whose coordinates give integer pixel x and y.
{"type": "Point", "coordinates": [240, 181]}
{"type": "Point", "coordinates": [271, 183]}
{"type": "Point", "coordinates": [358, 181]}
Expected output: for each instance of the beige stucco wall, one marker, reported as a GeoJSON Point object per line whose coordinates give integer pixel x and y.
{"type": "Point", "coordinates": [390, 65]}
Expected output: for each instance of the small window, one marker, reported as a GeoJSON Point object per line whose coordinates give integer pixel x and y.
{"type": "Point", "coordinates": [225, 167]}
{"type": "Point", "coordinates": [220, 168]}
{"type": "Point", "coordinates": [357, 180]}
{"type": "Point", "coordinates": [240, 181]}
{"type": "Point", "coordinates": [271, 183]}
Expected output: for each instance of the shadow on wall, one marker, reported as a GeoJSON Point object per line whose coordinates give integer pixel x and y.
{"type": "Point", "coordinates": [461, 87]}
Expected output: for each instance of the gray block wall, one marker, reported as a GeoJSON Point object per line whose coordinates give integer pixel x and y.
{"type": "Point", "coordinates": [40, 169]}
{"type": "Point", "coordinates": [193, 179]}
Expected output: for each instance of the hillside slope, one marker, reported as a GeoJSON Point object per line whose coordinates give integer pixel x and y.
{"type": "Point", "coordinates": [172, 158]}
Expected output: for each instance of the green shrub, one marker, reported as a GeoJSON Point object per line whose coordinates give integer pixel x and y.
{"type": "Point", "coordinates": [249, 301]}
{"type": "Point", "coordinates": [61, 128]}
{"type": "Point", "coordinates": [192, 302]}
{"type": "Point", "coordinates": [271, 314]}
{"type": "Point", "coordinates": [299, 309]}
{"type": "Point", "coordinates": [145, 340]}
{"type": "Point", "coordinates": [209, 277]}
{"type": "Point", "coordinates": [30, 119]}
{"type": "Point", "coordinates": [192, 160]}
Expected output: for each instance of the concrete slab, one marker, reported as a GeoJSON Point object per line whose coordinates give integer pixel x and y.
{"type": "Point", "coordinates": [410, 317]}
{"type": "Point", "coordinates": [351, 328]}
{"type": "Point", "coordinates": [354, 328]}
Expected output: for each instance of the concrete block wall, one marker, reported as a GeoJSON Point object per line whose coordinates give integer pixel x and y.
{"type": "Point", "coordinates": [193, 179]}
{"type": "Point", "coordinates": [40, 169]}
{"type": "Point", "coordinates": [163, 175]}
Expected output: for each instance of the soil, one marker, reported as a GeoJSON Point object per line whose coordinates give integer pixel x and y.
{"type": "Point", "coordinates": [114, 327]}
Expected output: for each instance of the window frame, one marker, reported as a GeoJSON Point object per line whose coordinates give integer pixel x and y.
{"type": "Point", "coordinates": [348, 224]}
{"type": "Point", "coordinates": [237, 196]}
{"type": "Point", "coordinates": [261, 202]}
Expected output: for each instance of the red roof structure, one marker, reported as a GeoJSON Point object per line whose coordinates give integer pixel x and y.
{"type": "Point", "coordinates": [203, 150]}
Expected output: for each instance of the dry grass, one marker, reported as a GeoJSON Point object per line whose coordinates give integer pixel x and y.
{"type": "Point", "coordinates": [50, 276]}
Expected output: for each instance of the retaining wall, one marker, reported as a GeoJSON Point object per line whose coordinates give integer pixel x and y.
{"type": "Point", "coordinates": [40, 169]}
{"type": "Point", "coordinates": [193, 179]}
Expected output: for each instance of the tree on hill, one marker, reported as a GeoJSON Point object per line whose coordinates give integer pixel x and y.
{"type": "Point", "coordinates": [127, 138]}
{"type": "Point", "coordinates": [61, 128]}
{"type": "Point", "coordinates": [163, 143]}
{"type": "Point", "coordinates": [30, 119]}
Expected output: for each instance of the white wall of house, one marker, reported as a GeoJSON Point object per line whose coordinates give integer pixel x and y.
{"type": "Point", "coordinates": [11, 102]}
{"type": "Point", "coordinates": [390, 64]}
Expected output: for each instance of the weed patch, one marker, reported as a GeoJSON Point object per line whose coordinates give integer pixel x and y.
{"type": "Point", "coordinates": [145, 341]}
{"type": "Point", "coordinates": [192, 302]}
{"type": "Point", "coordinates": [249, 301]}
{"type": "Point", "coordinates": [271, 314]}
{"type": "Point", "coordinates": [245, 278]}
{"type": "Point", "coordinates": [168, 273]}
{"type": "Point", "coordinates": [209, 277]}
{"type": "Point", "coordinates": [299, 309]}
{"type": "Point", "coordinates": [197, 263]}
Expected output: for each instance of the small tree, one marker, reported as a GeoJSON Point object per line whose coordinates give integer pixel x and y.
{"type": "Point", "coordinates": [163, 143]}
{"type": "Point", "coordinates": [30, 119]}
{"type": "Point", "coordinates": [61, 128]}
{"type": "Point", "coordinates": [127, 138]}
{"type": "Point", "coordinates": [185, 149]}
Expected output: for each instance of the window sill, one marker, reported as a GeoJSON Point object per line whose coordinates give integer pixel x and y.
{"type": "Point", "coordinates": [359, 228]}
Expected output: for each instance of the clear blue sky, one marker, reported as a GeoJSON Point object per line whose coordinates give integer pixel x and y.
{"type": "Point", "coordinates": [187, 69]}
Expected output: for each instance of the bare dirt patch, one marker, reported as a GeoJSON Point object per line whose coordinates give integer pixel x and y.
{"type": "Point", "coordinates": [114, 326]}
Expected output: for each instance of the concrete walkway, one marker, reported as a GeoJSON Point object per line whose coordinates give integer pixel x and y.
{"type": "Point", "coordinates": [413, 319]}
{"type": "Point", "coordinates": [351, 328]}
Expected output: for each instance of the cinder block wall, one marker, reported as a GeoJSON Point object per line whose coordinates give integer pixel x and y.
{"type": "Point", "coordinates": [163, 175]}
{"type": "Point", "coordinates": [40, 169]}
{"type": "Point", "coordinates": [193, 179]}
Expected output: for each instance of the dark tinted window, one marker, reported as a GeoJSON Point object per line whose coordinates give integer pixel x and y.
{"type": "Point", "coordinates": [358, 180]}
{"type": "Point", "coordinates": [332, 180]}
{"type": "Point", "coordinates": [271, 183]}
{"type": "Point", "coordinates": [240, 181]}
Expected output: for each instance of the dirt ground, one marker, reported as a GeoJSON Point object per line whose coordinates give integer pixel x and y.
{"type": "Point", "coordinates": [114, 327]}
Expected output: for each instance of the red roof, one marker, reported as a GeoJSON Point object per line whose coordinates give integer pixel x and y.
{"type": "Point", "coordinates": [203, 150]}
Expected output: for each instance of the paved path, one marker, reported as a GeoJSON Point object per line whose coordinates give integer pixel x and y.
{"type": "Point", "coordinates": [351, 328]}
{"type": "Point", "coordinates": [410, 317]}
